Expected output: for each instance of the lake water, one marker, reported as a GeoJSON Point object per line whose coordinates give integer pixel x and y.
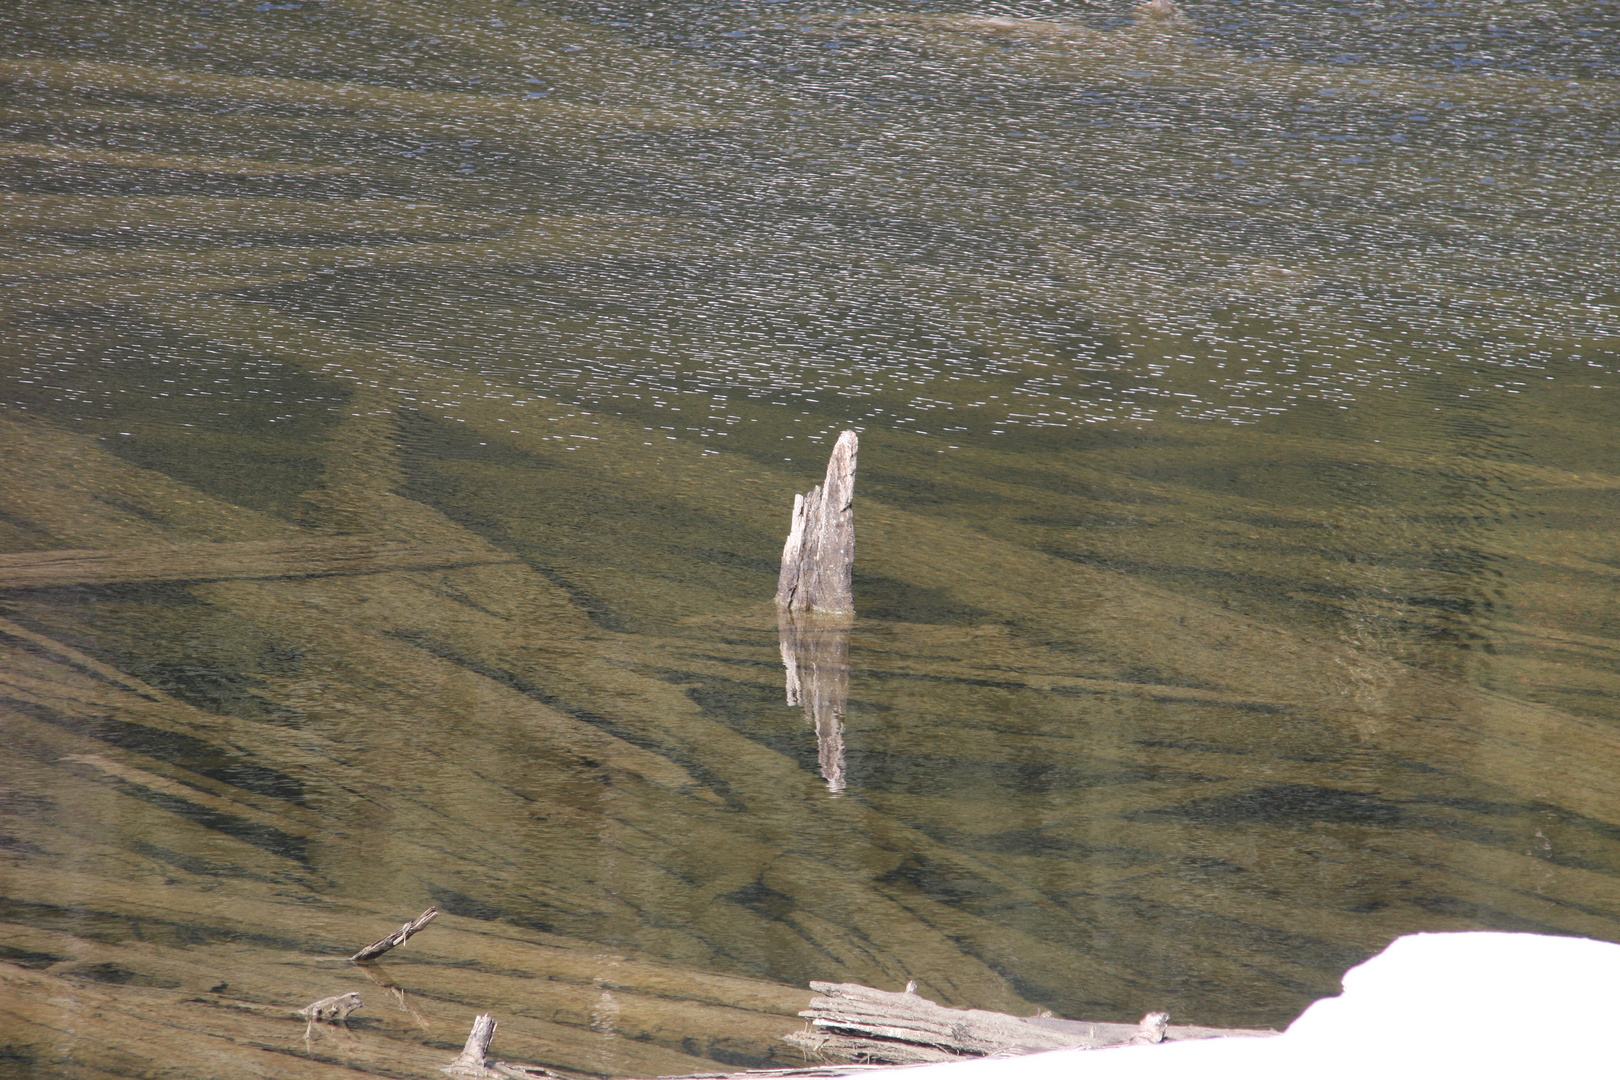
{"type": "Point", "coordinates": [1238, 516]}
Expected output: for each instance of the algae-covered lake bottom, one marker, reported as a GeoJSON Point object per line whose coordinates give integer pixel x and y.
{"type": "Point", "coordinates": [401, 406]}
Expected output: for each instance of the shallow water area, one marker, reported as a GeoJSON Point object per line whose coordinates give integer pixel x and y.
{"type": "Point", "coordinates": [401, 407]}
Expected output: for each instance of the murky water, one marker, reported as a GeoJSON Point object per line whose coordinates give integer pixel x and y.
{"type": "Point", "coordinates": [1236, 515]}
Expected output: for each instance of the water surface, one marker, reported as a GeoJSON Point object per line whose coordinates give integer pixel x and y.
{"type": "Point", "coordinates": [1236, 513]}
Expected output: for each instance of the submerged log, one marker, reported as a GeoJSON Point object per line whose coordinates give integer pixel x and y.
{"type": "Point", "coordinates": [858, 1023]}
{"type": "Point", "coordinates": [398, 937]}
{"type": "Point", "coordinates": [818, 560]}
{"type": "Point", "coordinates": [249, 560]}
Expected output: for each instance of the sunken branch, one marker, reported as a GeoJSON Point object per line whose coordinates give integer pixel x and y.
{"type": "Point", "coordinates": [398, 937]}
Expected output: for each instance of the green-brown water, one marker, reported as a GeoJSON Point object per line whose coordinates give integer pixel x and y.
{"type": "Point", "coordinates": [1236, 518]}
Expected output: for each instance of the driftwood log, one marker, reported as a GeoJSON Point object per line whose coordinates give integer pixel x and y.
{"type": "Point", "coordinates": [398, 937]}
{"type": "Point", "coordinates": [818, 560]}
{"type": "Point", "coordinates": [857, 1023]}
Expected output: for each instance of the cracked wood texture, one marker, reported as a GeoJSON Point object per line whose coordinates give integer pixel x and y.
{"type": "Point", "coordinates": [818, 560]}
{"type": "Point", "coordinates": [859, 1023]}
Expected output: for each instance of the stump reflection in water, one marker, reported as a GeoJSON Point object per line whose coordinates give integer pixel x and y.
{"type": "Point", "coordinates": [815, 652]}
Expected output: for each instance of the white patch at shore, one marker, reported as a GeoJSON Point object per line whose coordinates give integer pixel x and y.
{"type": "Point", "coordinates": [1430, 1006]}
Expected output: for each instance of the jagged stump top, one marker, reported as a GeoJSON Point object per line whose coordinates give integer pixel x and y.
{"type": "Point", "coordinates": [818, 561]}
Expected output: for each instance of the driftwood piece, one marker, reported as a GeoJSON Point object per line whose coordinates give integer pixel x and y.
{"type": "Point", "coordinates": [331, 1010]}
{"type": "Point", "coordinates": [398, 937]}
{"type": "Point", "coordinates": [470, 1062]}
{"type": "Point", "coordinates": [818, 560]}
{"type": "Point", "coordinates": [858, 1023]}
{"type": "Point", "coordinates": [256, 559]}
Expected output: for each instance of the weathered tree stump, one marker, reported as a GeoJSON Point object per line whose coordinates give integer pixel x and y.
{"type": "Point", "coordinates": [818, 560]}
{"type": "Point", "coordinates": [470, 1062]}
